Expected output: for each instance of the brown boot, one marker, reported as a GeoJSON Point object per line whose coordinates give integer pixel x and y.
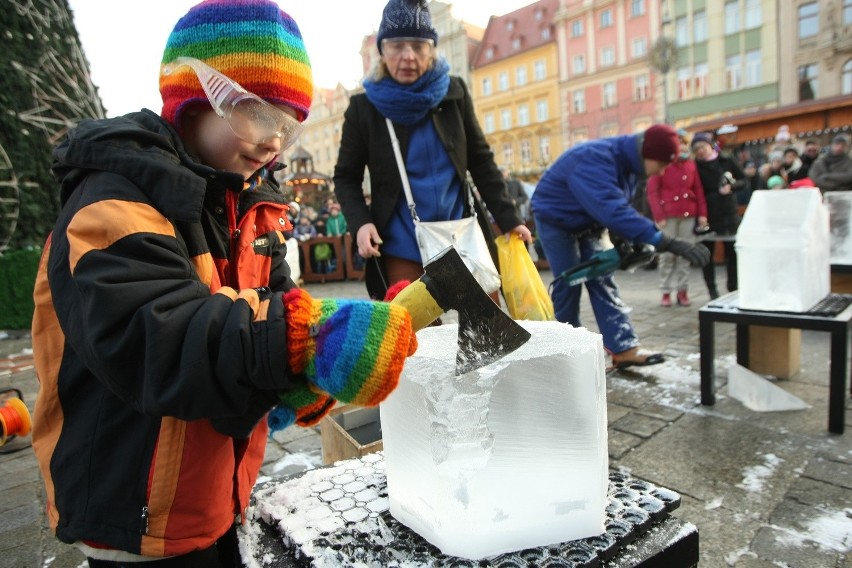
{"type": "Point", "coordinates": [636, 357]}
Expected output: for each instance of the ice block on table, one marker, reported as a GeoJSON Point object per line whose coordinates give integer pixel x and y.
{"type": "Point", "coordinates": [506, 457]}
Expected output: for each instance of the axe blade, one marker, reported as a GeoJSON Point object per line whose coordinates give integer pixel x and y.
{"type": "Point", "coordinates": [486, 332]}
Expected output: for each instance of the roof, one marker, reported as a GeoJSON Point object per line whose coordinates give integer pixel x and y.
{"type": "Point", "coordinates": [517, 32]}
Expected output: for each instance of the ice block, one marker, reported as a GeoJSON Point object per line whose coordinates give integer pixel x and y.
{"type": "Point", "coordinates": [506, 457]}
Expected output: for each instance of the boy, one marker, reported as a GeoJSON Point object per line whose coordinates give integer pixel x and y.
{"type": "Point", "coordinates": [166, 323]}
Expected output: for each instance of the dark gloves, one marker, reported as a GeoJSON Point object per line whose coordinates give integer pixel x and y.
{"type": "Point", "coordinates": [353, 350]}
{"type": "Point", "coordinates": [696, 254]}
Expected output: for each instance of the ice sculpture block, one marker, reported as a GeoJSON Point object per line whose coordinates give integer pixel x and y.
{"type": "Point", "coordinates": [782, 248]}
{"type": "Point", "coordinates": [506, 457]}
{"type": "Point", "coordinates": [839, 205]}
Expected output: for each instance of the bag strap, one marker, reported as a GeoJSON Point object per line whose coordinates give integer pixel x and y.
{"type": "Point", "coordinates": [406, 186]}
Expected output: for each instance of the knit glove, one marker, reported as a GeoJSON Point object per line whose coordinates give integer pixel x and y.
{"type": "Point", "coordinates": [695, 253]}
{"type": "Point", "coordinates": [302, 405]}
{"type": "Point", "coordinates": [354, 350]}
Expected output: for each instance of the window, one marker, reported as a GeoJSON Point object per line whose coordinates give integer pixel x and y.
{"type": "Point", "coordinates": [753, 14]}
{"type": "Point", "coordinates": [681, 31]}
{"type": "Point", "coordinates": [609, 129]}
{"type": "Point", "coordinates": [808, 82]}
{"type": "Point", "coordinates": [609, 97]}
{"type": "Point", "coordinates": [846, 79]}
{"type": "Point", "coordinates": [503, 81]}
{"type": "Point", "coordinates": [539, 14]}
{"type": "Point", "coordinates": [526, 151]}
{"type": "Point", "coordinates": [753, 68]}
{"type": "Point", "coordinates": [683, 83]}
{"type": "Point", "coordinates": [699, 26]}
{"type": "Point", "coordinates": [809, 20]}
{"type": "Point", "coordinates": [486, 86]}
{"type": "Point", "coordinates": [489, 53]}
{"type": "Point", "coordinates": [521, 76]}
{"type": "Point", "coordinates": [641, 88]}
{"type": "Point", "coordinates": [508, 154]}
{"type": "Point", "coordinates": [700, 81]}
{"type": "Point", "coordinates": [510, 25]}
{"type": "Point", "coordinates": [847, 12]}
{"type": "Point", "coordinates": [606, 18]}
{"type": "Point", "coordinates": [640, 47]}
{"type": "Point", "coordinates": [544, 148]}
{"type": "Point", "coordinates": [579, 97]}
{"type": "Point", "coordinates": [523, 115]}
{"type": "Point", "coordinates": [545, 34]}
{"type": "Point", "coordinates": [577, 28]}
{"type": "Point", "coordinates": [488, 123]}
{"type": "Point", "coordinates": [540, 70]}
{"type": "Point", "coordinates": [505, 119]}
{"type": "Point", "coordinates": [516, 44]}
{"type": "Point", "coordinates": [732, 17]}
{"type": "Point", "coordinates": [581, 135]}
{"type": "Point", "coordinates": [733, 72]}
{"type": "Point", "coordinates": [579, 64]}
{"type": "Point", "coordinates": [541, 111]}
{"type": "Point", "coordinates": [607, 56]}
{"type": "Point", "coordinates": [637, 8]}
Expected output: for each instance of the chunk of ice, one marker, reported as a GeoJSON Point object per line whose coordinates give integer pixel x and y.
{"type": "Point", "coordinates": [758, 394]}
{"type": "Point", "coordinates": [506, 457]}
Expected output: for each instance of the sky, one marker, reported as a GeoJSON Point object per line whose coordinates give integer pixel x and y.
{"type": "Point", "coordinates": [124, 40]}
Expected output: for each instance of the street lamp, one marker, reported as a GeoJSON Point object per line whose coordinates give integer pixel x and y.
{"type": "Point", "coordinates": [663, 59]}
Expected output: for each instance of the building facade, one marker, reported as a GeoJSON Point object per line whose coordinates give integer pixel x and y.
{"type": "Point", "coordinates": [515, 85]}
{"type": "Point", "coordinates": [322, 129]}
{"type": "Point", "coordinates": [607, 84]}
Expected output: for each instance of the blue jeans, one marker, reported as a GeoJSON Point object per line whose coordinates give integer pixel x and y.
{"type": "Point", "coordinates": [564, 250]}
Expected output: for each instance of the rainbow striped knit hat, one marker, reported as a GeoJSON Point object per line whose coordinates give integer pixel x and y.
{"type": "Point", "coordinates": [253, 42]}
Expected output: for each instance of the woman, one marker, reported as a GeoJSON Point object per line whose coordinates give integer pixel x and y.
{"type": "Point", "coordinates": [433, 117]}
{"type": "Point", "coordinates": [677, 203]}
{"type": "Point", "coordinates": [720, 177]}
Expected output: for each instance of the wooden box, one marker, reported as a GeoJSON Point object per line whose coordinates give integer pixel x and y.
{"type": "Point", "coordinates": [350, 432]}
{"type": "Point", "coordinates": [774, 351]}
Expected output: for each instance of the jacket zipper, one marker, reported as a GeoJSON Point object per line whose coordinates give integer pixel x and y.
{"type": "Point", "coordinates": [144, 527]}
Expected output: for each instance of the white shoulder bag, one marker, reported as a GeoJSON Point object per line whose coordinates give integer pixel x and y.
{"type": "Point", "coordinates": [464, 235]}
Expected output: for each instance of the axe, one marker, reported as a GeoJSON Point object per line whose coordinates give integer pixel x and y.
{"type": "Point", "coordinates": [486, 333]}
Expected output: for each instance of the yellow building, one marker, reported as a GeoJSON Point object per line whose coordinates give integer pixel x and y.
{"type": "Point", "coordinates": [515, 86]}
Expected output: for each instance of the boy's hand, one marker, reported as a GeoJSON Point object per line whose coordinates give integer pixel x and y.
{"type": "Point", "coordinates": [354, 350]}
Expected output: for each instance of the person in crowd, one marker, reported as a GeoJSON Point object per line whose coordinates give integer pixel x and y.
{"type": "Point", "coordinates": [335, 225]}
{"type": "Point", "coordinates": [720, 177]}
{"type": "Point", "coordinates": [586, 192]}
{"type": "Point", "coordinates": [166, 323]}
{"type": "Point", "coordinates": [808, 157]}
{"type": "Point", "coordinates": [677, 203]}
{"type": "Point", "coordinates": [516, 192]}
{"type": "Point", "coordinates": [794, 168]}
{"type": "Point", "coordinates": [774, 166]}
{"type": "Point", "coordinates": [833, 170]}
{"type": "Point", "coordinates": [751, 183]}
{"type": "Point", "coordinates": [441, 142]}
{"type": "Point", "coordinates": [305, 230]}
{"type": "Point", "coordinates": [776, 182]}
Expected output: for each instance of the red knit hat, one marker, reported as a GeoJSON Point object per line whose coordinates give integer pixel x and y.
{"type": "Point", "coordinates": [661, 143]}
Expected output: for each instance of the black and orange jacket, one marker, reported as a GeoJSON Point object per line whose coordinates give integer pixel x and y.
{"type": "Point", "coordinates": [159, 339]}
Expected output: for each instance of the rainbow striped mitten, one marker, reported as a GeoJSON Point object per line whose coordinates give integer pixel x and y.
{"type": "Point", "coordinates": [302, 405]}
{"type": "Point", "coordinates": [353, 350]}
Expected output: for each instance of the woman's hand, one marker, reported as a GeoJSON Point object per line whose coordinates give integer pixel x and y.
{"type": "Point", "coordinates": [368, 240]}
{"type": "Point", "coordinates": [523, 232]}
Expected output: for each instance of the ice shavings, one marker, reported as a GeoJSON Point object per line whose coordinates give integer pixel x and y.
{"type": "Point", "coordinates": [831, 531]}
{"type": "Point", "coordinates": [755, 477]}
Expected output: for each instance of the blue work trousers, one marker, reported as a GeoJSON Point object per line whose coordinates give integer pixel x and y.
{"type": "Point", "coordinates": [565, 250]}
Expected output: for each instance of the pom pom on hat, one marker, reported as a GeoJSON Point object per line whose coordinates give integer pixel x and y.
{"type": "Point", "coordinates": [406, 18]}
{"type": "Point", "coordinates": [661, 143]}
{"type": "Point", "coordinates": [775, 181]}
{"type": "Point", "coordinates": [252, 42]}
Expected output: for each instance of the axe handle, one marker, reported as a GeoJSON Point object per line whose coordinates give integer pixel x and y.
{"type": "Point", "coordinates": [420, 303]}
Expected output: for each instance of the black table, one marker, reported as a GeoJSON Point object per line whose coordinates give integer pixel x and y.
{"type": "Point", "coordinates": [639, 528]}
{"type": "Point", "coordinates": [820, 318]}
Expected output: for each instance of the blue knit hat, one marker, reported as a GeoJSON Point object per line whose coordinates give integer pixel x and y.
{"type": "Point", "coordinates": [406, 18]}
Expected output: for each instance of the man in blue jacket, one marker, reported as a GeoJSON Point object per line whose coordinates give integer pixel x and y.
{"type": "Point", "coordinates": [586, 192]}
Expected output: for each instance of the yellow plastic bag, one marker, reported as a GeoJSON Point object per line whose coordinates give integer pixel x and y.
{"type": "Point", "coordinates": [524, 292]}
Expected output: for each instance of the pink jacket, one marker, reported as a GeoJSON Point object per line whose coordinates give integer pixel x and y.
{"type": "Point", "coordinates": [677, 193]}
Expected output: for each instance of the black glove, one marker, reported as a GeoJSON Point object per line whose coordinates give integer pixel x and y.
{"type": "Point", "coordinates": [695, 254]}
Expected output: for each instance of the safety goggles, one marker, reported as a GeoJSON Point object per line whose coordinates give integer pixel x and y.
{"type": "Point", "coordinates": [251, 118]}
{"type": "Point", "coordinates": [396, 46]}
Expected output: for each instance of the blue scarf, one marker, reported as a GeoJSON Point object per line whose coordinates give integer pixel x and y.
{"type": "Point", "coordinates": [408, 104]}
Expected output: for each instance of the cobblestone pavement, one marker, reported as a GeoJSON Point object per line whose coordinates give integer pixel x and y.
{"type": "Point", "coordinates": [764, 489]}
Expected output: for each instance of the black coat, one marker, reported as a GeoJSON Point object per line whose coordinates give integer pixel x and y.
{"type": "Point", "coordinates": [365, 141]}
{"type": "Point", "coordinates": [721, 209]}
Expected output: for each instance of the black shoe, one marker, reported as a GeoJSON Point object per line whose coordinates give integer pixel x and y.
{"type": "Point", "coordinates": [714, 293]}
